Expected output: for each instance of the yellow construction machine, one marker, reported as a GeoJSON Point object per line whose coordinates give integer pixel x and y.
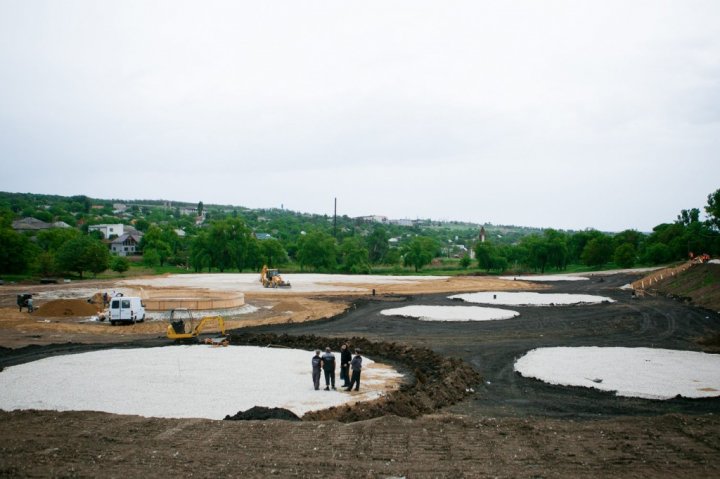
{"type": "Point", "coordinates": [183, 327]}
{"type": "Point", "coordinates": [270, 278]}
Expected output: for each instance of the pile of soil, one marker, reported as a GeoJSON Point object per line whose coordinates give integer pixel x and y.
{"type": "Point", "coordinates": [262, 413]}
{"type": "Point", "coordinates": [438, 381]}
{"type": "Point", "coordinates": [66, 307]}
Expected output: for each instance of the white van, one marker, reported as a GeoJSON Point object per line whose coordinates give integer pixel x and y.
{"type": "Point", "coordinates": [129, 309]}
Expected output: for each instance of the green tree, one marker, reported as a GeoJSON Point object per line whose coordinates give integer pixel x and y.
{"type": "Point", "coordinates": [483, 254]}
{"type": "Point", "coordinates": [45, 263]}
{"type": "Point", "coordinates": [656, 253]}
{"type": "Point", "coordinates": [164, 241]}
{"type": "Point", "coordinates": [577, 243]}
{"type": "Point", "coordinates": [354, 255]}
{"type": "Point", "coordinates": [378, 245]}
{"type": "Point", "coordinates": [253, 254]}
{"type": "Point", "coordinates": [151, 257]}
{"type": "Point", "coordinates": [713, 209]}
{"type": "Point", "coordinates": [490, 257]}
{"type": "Point", "coordinates": [689, 216]}
{"type": "Point", "coordinates": [51, 240]}
{"type": "Point", "coordinates": [465, 261]}
{"type": "Point", "coordinates": [537, 254]}
{"type": "Point", "coordinates": [272, 253]}
{"type": "Point", "coordinates": [598, 251]}
{"type": "Point", "coordinates": [318, 250]}
{"type": "Point", "coordinates": [625, 255]}
{"type": "Point", "coordinates": [200, 252]}
{"type": "Point", "coordinates": [419, 252]}
{"type": "Point", "coordinates": [557, 249]}
{"type": "Point", "coordinates": [15, 252]}
{"type": "Point", "coordinates": [632, 237]}
{"type": "Point", "coordinates": [83, 254]}
{"type": "Point", "coordinates": [119, 264]}
{"type": "Point", "coordinates": [142, 225]}
{"type": "Point", "coordinates": [228, 243]}
{"type": "Point", "coordinates": [393, 257]}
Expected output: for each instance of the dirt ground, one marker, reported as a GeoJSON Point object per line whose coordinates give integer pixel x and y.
{"type": "Point", "coordinates": [18, 329]}
{"type": "Point", "coordinates": [503, 426]}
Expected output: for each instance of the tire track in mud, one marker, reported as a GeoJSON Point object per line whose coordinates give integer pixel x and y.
{"type": "Point", "coordinates": [492, 347]}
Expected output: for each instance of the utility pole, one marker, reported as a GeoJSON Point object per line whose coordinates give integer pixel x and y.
{"type": "Point", "coordinates": [335, 220]}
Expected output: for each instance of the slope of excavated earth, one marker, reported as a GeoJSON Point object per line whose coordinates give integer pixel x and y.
{"type": "Point", "coordinates": [699, 284]}
{"type": "Point", "coordinates": [502, 425]}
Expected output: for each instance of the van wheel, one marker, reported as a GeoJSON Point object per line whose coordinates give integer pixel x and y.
{"type": "Point", "coordinates": [113, 323]}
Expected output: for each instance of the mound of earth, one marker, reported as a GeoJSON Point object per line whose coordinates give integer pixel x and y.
{"type": "Point", "coordinates": [438, 381]}
{"type": "Point", "coordinates": [262, 413]}
{"type": "Point", "coordinates": [66, 307]}
{"type": "Point", "coordinates": [699, 284]}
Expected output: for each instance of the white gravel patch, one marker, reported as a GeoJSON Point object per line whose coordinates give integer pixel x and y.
{"type": "Point", "coordinates": [250, 282]}
{"type": "Point", "coordinates": [198, 381]}
{"type": "Point", "coordinates": [552, 277]}
{"type": "Point", "coordinates": [530, 299]}
{"type": "Point", "coordinates": [451, 313]}
{"type": "Point", "coordinates": [580, 276]}
{"type": "Point", "coordinates": [633, 372]}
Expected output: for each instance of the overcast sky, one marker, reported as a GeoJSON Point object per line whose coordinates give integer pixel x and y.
{"type": "Point", "coordinates": [565, 114]}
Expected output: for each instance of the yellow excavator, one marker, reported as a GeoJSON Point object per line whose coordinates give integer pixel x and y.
{"type": "Point", "coordinates": [184, 327]}
{"type": "Point", "coordinates": [270, 278]}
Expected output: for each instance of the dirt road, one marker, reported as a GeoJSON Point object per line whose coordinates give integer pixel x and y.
{"type": "Point", "coordinates": [509, 427]}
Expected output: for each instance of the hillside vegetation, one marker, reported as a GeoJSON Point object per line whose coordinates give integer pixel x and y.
{"type": "Point", "coordinates": [175, 237]}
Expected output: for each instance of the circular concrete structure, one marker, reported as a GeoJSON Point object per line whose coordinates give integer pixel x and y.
{"type": "Point", "coordinates": [195, 303]}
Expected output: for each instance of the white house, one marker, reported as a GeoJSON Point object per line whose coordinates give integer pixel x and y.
{"type": "Point", "coordinates": [188, 211]}
{"type": "Point", "coordinates": [126, 245]}
{"type": "Point", "coordinates": [109, 230]}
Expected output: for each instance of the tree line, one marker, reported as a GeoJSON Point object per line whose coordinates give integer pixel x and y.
{"type": "Point", "coordinates": [227, 242]}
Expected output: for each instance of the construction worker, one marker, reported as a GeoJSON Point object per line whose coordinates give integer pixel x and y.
{"type": "Point", "coordinates": [356, 365]}
{"type": "Point", "coordinates": [316, 363]}
{"type": "Point", "coordinates": [345, 358]}
{"type": "Point", "coordinates": [328, 364]}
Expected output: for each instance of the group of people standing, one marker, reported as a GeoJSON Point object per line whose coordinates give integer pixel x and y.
{"type": "Point", "coordinates": [326, 364]}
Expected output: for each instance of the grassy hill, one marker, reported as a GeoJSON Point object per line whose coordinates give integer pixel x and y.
{"type": "Point", "coordinates": [699, 284]}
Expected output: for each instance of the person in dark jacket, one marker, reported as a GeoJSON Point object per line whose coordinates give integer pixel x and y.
{"type": "Point", "coordinates": [356, 365]}
{"type": "Point", "coordinates": [328, 365]}
{"type": "Point", "coordinates": [316, 363]}
{"type": "Point", "coordinates": [345, 358]}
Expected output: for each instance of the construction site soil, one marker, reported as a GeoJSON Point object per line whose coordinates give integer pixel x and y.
{"type": "Point", "coordinates": [464, 412]}
{"type": "Point", "coordinates": [67, 307]}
